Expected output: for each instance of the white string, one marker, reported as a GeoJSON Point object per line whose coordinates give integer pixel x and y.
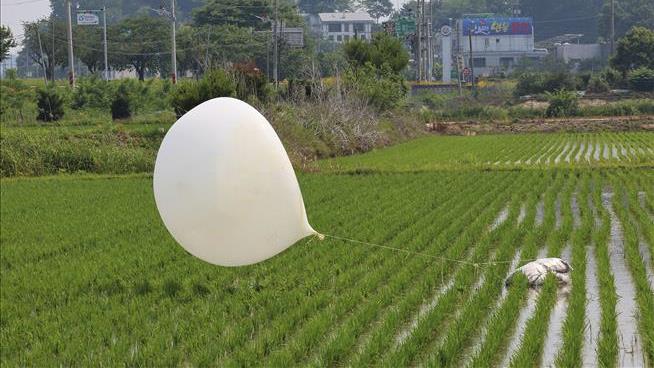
{"type": "Point", "coordinates": [461, 261]}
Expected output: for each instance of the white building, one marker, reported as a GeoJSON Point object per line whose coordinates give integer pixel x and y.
{"type": "Point", "coordinates": [340, 27]}
{"type": "Point", "coordinates": [497, 43]}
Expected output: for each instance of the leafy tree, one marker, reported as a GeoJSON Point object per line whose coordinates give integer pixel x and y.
{"type": "Point", "coordinates": [324, 6]}
{"type": "Point", "coordinates": [87, 41]}
{"type": "Point", "coordinates": [641, 79]}
{"type": "Point", "coordinates": [557, 17]}
{"type": "Point", "coordinates": [628, 14]}
{"type": "Point", "coordinates": [382, 50]}
{"type": "Point", "coordinates": [357, 52]}
{"type": "Point", "coordinates": [212, 46]}
{"type": "Point", "coordinates": [378, 8]}
{"type": "Point", "coordinates": [634, 50]}
{"type": "Point", "coordinates": [141, 43]}
{"type": "Point", "coordinates": [52, 34]}
{"type": "Point", "coordinates": [241, 13]}
{"type": "Point", "coordinates": [6, 42]}
{"type": "Point", "coordinates": [256, 14]}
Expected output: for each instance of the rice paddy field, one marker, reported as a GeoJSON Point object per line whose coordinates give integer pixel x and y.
{"type": "Point", "coordinates": [90, 276]}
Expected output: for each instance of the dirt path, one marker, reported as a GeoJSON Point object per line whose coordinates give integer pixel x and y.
{"type": "Point", "coordinates": [581, 124]}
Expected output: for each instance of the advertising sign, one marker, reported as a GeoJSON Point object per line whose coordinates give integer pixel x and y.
{"type": "Point", "coordinates": [497, 26]}
{"type": "Point", "coordinates": [87, 19]}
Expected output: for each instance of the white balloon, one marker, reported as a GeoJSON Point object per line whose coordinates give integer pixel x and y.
{"type": "Point", "coordinates": [225, 188]}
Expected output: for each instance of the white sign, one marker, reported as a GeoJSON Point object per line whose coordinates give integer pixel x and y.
{"type": "Point", "coordinates": [446, 30]}
{"type": "Point", "coordinates": [87, 19]}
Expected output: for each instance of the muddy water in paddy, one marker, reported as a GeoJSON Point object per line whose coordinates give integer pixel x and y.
{"type": "Point", "coordinates": [614, 153]}
{"type": "Point", "coordinates": [557, 212]}
{"type": "Point", "coordinates": [643, 247]}
{"type": "Point", "coordinates": [525, 314]}
{"type": "Point", "coordinates": [593, 310]}
{"type": "Point", "coordinates": [582, 147]}
{"type": "Point", "coordinates": [641, 200]}
{"type": "Point", "coordinates": [479, 340]}
{"type": "Point", "coordinates": [565, 149]}
{"type": "Point", "coordinates": [522, 214]}
{"type": "Point", "coordinates": [596, 153]}
{"type": "Point", "coordinates": [540, 213]}
{"type": "Point", "coordinates": [424, 310]}
{"type": "Point", "coordinates": [576, 217]}
{"type": "Point", "coordinates": [554, 337]}
{"type": "Point", "coordinates": [631, 352]}
{"type": "Point", "coordinates": [499, 220]}
{"type": "Point", "coordinates": [589, 152]}
{"type": "Point", "coordinates": [624, 153]}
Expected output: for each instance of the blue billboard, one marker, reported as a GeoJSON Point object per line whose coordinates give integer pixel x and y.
{"type": "Point", "coordinates": [497, 26]}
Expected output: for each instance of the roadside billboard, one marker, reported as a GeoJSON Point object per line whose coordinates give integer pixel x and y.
{"type": "Point", "coordinates": [87, 19]}
{"type": "Point", "coordinates": [497, 26]}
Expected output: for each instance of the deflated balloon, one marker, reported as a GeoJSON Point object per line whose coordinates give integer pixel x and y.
{"type": "Point", "coordinates": [225, 188]}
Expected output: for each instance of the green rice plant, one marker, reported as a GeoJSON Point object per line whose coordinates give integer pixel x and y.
{"type": "Point", "coordinates": [644, 295]}
{"type": "Point", "coordinates": [332, 353]}
{"type": "Point", "coordinates": [607, 345]}
{"type": "Point", "coordinates": [532, 341]}
{"type": "Point", "coordinates": [574, 325]}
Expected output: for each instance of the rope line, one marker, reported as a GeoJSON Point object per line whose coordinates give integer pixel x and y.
{"type": "Point", "coordinates": [445, 259]}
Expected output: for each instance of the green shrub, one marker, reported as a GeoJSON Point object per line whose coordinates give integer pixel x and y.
{"type": "Point", "coordinates": [529, 83]}
{"type": "Point", "coordinates": [559, 81]}
{"type": "Point", "coordinates": [14, 96]}
{"type": "Point", "coordinates": [50, 104]}
{"type": "Point", "coordinates": [92, 92]}
{"type": "Point", "coordinates": [582, 80]}
{"type": "Point", "coordinates": [562, 103]}
{"type": "Point", "coordinates": [614, 78]}
{"type": "Point", "coordinates": [382, 88]}
{"type": "Point", "coordinates": [187, 95]}
{"type": "Point", "coordinates": [535, 83]}
{"type": "Point", "coordinates": [597, 84]}
{"type": "Point", "coordinates": [641, 79]}
{"type": "Point", "coordinates": [250, 83]}
{"type": "Point", "coordinates": [121, 105]}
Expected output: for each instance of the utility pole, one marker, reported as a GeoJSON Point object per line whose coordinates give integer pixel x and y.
{"type": "Point", "coordinates": [71, 58]}
{"type": "Point", "coordinates": [104, 40]}
{"type": "Point", "coordinates": [38, 36]}
{"type": "Point", "coordinates": [275, 43]}
{"type": "Point", "coordinates": [424, 54]}
{"type": "Point", "coordinates": [52, 64]}
{"type": "Point", "coordinates": [173, 54]}
{"type": "Point", "coordinates": [472, 68]}
{"type": "Point", "coordinates": [430, 46]}
{"type": "Point", "coordinates": [419, 18]}
{"type": "Point", "coordinates": [612, 26]}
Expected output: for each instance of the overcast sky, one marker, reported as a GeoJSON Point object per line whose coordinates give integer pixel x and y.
{"type": "Point", "coordinates": [14, 12]}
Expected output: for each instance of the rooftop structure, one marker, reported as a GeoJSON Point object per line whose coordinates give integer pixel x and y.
{"type": "Point", "coordinates": [340, 27]}
{"type": "Point", "coordinates": [497, 43]}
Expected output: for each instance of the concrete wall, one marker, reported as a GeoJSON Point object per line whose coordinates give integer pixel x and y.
{"type": "Point", "coordinates": [501, 43]}
{"type": "Point", "coordinates": [578, 51]}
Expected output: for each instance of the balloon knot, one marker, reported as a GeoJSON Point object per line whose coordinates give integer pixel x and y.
{"type": "Point", "coordinates": [320, 236]}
